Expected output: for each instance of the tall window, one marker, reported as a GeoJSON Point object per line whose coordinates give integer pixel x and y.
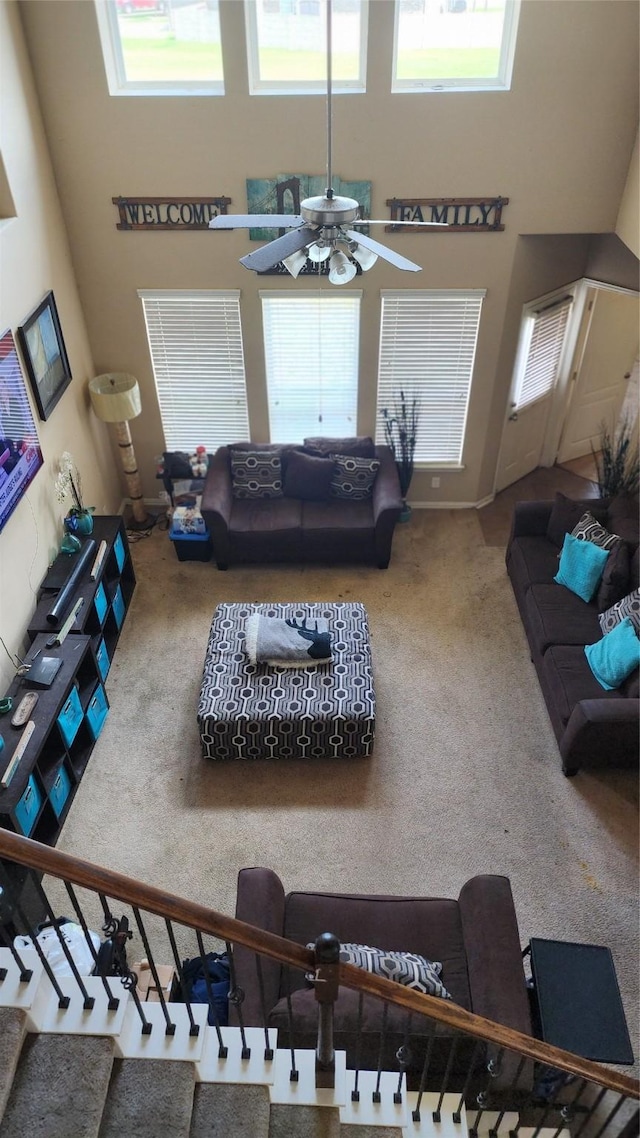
{"type": "Point", "coordinates": [542, 338]}
{"type": "Point", "coordinates": [311, 356]}
{"type": "Point", "coordinates": [161, 47]}
{"type": "Point", "coordinates": [427, 349]}
{"type": "Point", "coordinates": [454, 45]}
{"type": "Point", "coordinates": [286, 46]}
{"type": "Point", "coordinates": [195, 340]}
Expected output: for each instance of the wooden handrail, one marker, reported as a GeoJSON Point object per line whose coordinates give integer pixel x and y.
{"type": "Point", "coordinates": [118, 886]}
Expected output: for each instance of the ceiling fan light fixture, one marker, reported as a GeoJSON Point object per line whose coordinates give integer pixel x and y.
{"type": "Point", "coordinates": [319, 252]}
{"type": "Point", "coordinates": [341, 269]}
{"type": "Point", "coordinates": [296, 262]}
{"type": "Point", "coordinates": [366, 258]}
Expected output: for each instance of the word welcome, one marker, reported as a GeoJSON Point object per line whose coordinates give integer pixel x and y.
{"type": "Point", "coordinates": [168, 213]}
{"type": "Point", "coordinates": [462, 215]}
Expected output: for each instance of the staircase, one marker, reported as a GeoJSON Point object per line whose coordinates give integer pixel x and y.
{"type": "Point", "coordinates": [59, 1084]}
{"type": "Point", "coordinates": [83, 1056]}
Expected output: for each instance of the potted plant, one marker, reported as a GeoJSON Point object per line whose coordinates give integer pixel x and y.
{"type": "Point", "coordinates": [617, 463]}
{"type": "Point", "coordinates": [79, 518]}
{"type": "Point", "coordinates": [400, 432]}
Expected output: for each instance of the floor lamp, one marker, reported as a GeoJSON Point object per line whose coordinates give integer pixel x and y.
{"type": "Point", "coordinates": [115, 397]}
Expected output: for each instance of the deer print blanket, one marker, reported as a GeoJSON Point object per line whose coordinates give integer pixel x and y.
{"type": "Point", "coordinates": [287, 643]}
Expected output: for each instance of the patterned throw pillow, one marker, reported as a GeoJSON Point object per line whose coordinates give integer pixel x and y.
{"type": "Point", "coordinates": [629, 606]}
{"type": "Point", "coordinates": [353, 478]}
{"type": "Point", "coordinates": [256, 474]}
{"type": "Point", "coordinates": [415, 972]}
{"type": "Point", "coordinates": [589, 529]}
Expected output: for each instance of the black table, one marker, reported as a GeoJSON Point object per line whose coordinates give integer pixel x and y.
{"type": "Point", "coordinates": [577, 1000]}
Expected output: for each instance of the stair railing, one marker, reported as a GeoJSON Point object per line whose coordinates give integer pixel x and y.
{"type": "Point", "coordinates": [505, 1070]}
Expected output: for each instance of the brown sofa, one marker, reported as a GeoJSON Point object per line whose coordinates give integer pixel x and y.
{"type": "Point", "coordinates": [594, 727]}
{"type": "Point", "coordinates": [304, 524]}
{"type": "Point", "coordinates": [475, 938]}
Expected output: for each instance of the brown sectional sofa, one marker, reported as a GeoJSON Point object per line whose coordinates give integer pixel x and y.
{"type": "Point", "coordinates": [594, 727]}
{"type": "Point", "coordinates": [297, 528]}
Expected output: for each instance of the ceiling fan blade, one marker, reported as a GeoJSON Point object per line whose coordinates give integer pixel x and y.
{"type": "Point", "coordinates": [382, 251]}
{"type": "Point", "coordinates": [390, 221]}
{"type": "Point", "coordinates": [256, 221]}
{"type": "Point", "coordinates": [269, 255]}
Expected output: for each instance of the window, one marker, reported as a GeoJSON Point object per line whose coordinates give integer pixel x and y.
{"type": "Point", "coordinates": [311, 357]}
{"type": "Point", "coordinates": [195, 340]}
{"type": "Point", "coordinates": [287, 46]}
{"type": "Point", "coordinates": [454, 45]}
{"type": "Point", "coordinates": [161, 47]}
{"type": "Point", "coordinates": [540, 349]}
{"type": "Point", "coordinates": [427, 349]}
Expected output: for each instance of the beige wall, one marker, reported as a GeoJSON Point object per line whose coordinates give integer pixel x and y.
{"type": "Point", "coordinates": [34, 258]}
{"type": "Point", "coordinates": [558, 145]}
{"type": "Point", "coordinates": [628, 223]}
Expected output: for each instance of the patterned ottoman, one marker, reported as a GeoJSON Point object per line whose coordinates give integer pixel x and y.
{"type": "Point", "coordinates": [254, 711]}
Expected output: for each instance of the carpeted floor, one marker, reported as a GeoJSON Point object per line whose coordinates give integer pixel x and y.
{"type": "Point", "coordinates": [465, 776]}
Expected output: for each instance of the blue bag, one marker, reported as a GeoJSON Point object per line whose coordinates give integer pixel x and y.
{"type": "Point", "coordinates": [193, 975]}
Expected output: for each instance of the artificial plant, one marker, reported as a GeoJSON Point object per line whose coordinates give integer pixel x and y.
{"type": "Point", "coordinates": [617, 462]}
{"type": "Point", "coordinates": [400, 432]}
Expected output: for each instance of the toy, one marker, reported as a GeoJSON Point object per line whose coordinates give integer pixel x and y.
{"type": "Point", "coordinates": [199, 462]}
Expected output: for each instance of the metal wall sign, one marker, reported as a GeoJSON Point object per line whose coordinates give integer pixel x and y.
{"type": "Point", "coordinates": [462, 215]}
{"type": "Point", "coordinates": [168, 213]}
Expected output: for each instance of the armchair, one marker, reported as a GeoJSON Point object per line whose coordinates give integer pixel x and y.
{"type": "Point", "coordinates": [475, 937]}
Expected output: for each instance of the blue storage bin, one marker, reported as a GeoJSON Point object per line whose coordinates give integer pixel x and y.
{"type": "Point", "coordinates": [192, 546]}
{"type": "Point", "coordinates": [97, 711]}
{"type": "Point", "coordinates": [102, 660]}
{"type": "Point", "coordinates": [118, 549]}
{"type": "Point", "coordinates": [100, 602]}
{"type": "Point", "coordinates": [28, 806]}
{"type": "Point", "coordinates": [70, 717]}
{"type": "Point", "coordinates": [60, 791]}
{"type": "Point", "coordinates": [118, 606]}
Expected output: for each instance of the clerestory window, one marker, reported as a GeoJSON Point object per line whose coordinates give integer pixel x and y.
{"type": "Point", "coordinates": [286, 46]}
{"type": "Point", "coordinates": [454, 45]}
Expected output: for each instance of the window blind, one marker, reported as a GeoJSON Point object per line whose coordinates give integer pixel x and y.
{"type": "Point", "coordinates": [541, 358]}
{"type": "Point", "coordinates": [195, 340]}
{"type": "Point", "coordinates": [427, 349]}
{"type": "Point", "coordinates": [311, 342]}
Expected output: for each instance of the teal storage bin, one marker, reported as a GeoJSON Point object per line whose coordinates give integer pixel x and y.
{"type": "Point", "coordinates": [97, 711]}
{"type": "Point", "coordinates": [70, 717]}
{"type": "Point", "coordinates": [60, 791]}
{"type": "Point", "coordinates": [118, 606]}
{"type": "Point", "coordinates": [28, 806]}
{"type": "Point", "coordinates": [102, 660]}
{"type": "Point", "coordinates": [100, 602]}
{"type": "Point", "coordinates": [118, 549]}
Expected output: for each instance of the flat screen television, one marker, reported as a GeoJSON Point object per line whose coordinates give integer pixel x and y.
{"type": "Point", "coordinates": [20, 454]}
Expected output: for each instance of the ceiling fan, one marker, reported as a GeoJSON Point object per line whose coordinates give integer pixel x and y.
{"type": "Point", "coordinates": [321, 231]}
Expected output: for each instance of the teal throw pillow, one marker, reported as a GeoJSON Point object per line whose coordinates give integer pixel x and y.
{"type": "Point", "coordinates": [614, 657]}
{"type": "Point", "coordinates": [581, 566]}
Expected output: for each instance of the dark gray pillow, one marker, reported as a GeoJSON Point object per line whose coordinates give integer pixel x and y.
{"type": "Point", "coordinates": [361, 446]}
{"type": "Point", "coordinates": [628, 606]}
{"type": "Point", "coordinates": [308, 477]}
{"type": "Point", "coordinates": [256, 473]}
{"type": "Point", "coordinates": [353, 478]}
{"type": "Point", "coordinates": [589, 529]}
{"type": "Point", "coordinates": [566, 513]}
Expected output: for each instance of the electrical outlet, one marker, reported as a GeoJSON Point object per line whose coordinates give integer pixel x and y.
{"type": "Point", "coordinates": [435, 482]}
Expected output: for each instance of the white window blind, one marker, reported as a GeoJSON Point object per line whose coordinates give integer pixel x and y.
{"type": "Point", "coordinates": [311, 356]}
{"type": "Point", "coordinates": [544, 334]}
{"type": "Point", "coordinates": [195, 340]}
{"type": "Point", "coordinates": [427, 350]}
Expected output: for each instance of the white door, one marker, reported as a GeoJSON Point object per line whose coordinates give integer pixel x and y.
{"type": "Point", "coordinates": [600, 381]}
{"type": "Point", "coordinates": [539, 360]}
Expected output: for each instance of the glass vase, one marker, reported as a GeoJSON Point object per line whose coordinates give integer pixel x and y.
{"type": "Point", "coordinates": [80, 522]}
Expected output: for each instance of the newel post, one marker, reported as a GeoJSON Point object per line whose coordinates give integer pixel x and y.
{"type": "Point", "coordinates": [327, 953]}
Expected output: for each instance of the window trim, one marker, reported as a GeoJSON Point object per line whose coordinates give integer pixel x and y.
{"type": "Point", "coordinates": [554, 301]}
{"type": "Point", "coordinates": [500, 82]}
{"type": "Point", "coordinates": [258, 86]}
{"type": "Point", "coordinates": [119, 85]}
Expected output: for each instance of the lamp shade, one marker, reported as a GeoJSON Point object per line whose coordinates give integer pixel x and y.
{"type": "Point", "coordinates": [296, 262]}
{"type": "Point", "coordinates": [366, 258]}
{"type": "Point", "coordinates": [341, 269]}
{"type": "Point", "coordinates": [115, 396]}
{"type": "Point", "coordinates": [319, 252]}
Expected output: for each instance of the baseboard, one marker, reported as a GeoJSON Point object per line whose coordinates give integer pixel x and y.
{"type": "Point", "coordinates": [452, 505]}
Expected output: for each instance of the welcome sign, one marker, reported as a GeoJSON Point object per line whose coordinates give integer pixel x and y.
{"type": "Point", "coordinates": [168, 213]}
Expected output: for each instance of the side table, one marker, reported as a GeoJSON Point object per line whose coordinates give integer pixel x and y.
{"type": "Point", "coordinates": [577, 1000]}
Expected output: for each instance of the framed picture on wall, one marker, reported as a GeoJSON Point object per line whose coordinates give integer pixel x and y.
{"type": "Point", "coordinates": [45, 355]}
